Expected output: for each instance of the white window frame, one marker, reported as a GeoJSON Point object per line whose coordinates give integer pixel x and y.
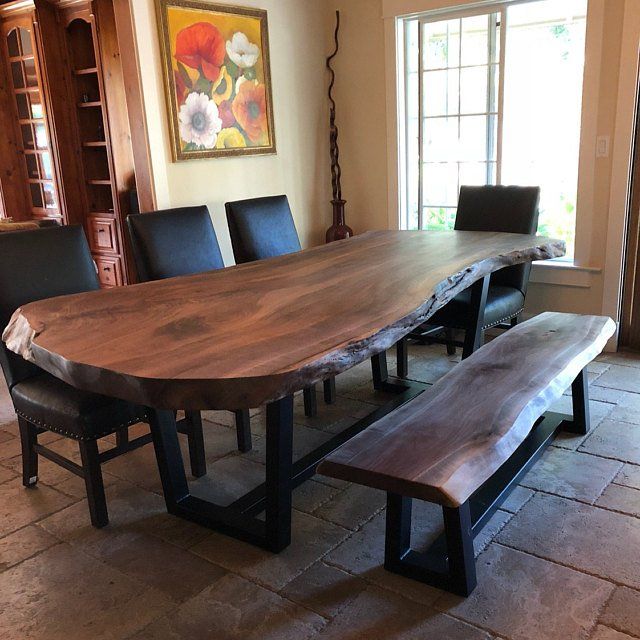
{"type": "Point", "coordinates": [439, 16]}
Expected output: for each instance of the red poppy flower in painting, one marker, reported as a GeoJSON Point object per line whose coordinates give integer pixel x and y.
{"type": "Point", "coordinates": [201, 46]}
{"type": "Point", "coordinates": [181, 88]}
{"type": "Point", "coordinates": [225, 111]}
{"type": "Point", "coordinates": [250, 110]}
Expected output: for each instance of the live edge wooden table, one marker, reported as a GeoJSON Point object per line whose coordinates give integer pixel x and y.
{"type": "Point", "coordinates": [255, 334]}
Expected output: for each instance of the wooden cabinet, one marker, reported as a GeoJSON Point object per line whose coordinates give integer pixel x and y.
{"type": "Point", "coordinates": [69, 154]}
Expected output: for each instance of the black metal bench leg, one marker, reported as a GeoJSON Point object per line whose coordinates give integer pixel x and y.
{"type": "Point", "coordinates": [474, 334]}
{"type": "Point", "coordinates": [310, 401]}
{"type": "Point", "coordinates": [243, 430]}
{"type": "Point", "coordinates": [93, 483]}
{"type": "Point", "coordinates": [580, 398]}
{"type": "Point", "coordinates": [402, 348]}
{"type": "Point", "coordinates": [329, 386]}
{"type": "Point", "coordinates": [28, 441]}
{"type": "Point", "coordinates": [397, 540]}
{"type": "Point", "coordinates": [279, 473]}
{"type": "Point", "coordinates": [461, 558]}
{"type": "Point", "coordinates": [195, 438]}
{"type": "Point", "coordinates": [379, 370]}
{"type": "Point", "coordinates": [449, 564]}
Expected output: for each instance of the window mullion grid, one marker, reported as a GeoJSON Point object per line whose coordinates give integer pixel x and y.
{"type": "Point", "coordinates": [501, 78]}
{"type": "Point", "coordinates": [491, 55]}
{"type": "Point", "coordinates": [421, 31]}
{"type": "Point", "coordinates": [459, 96]}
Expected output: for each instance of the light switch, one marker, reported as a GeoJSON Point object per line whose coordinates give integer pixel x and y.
{"type": "Point", "coordinates": [602, 146]}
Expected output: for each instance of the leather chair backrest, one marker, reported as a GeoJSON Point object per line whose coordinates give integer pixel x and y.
{"type": "Point", "coordinates": [174, 242]}
{"type": "Point", "coordinates": [39, 264]}
{"type": "Point", "coordinates": [511, 209]}
{"type": "Point", "coordinates": [261, 228]}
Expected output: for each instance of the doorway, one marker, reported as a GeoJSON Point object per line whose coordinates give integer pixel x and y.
{"type": "Point", "coordinates": [630, 329]}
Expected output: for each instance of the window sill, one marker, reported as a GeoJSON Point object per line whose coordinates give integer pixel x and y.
{"type": "Point", "coordinates": [563, 273]}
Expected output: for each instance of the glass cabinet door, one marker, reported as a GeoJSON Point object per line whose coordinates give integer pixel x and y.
{"type": "Point", "coordinates": [34, 135]}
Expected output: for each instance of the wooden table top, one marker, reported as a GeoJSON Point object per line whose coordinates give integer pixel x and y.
{"type": "Point", "coordinates": [249, 334]}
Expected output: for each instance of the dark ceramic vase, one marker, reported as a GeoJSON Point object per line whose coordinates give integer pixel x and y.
{"type": "Point", "coordinates": [338, 230]}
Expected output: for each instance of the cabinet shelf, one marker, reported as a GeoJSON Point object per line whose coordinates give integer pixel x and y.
{"type": "Point", "coordinates": [96, 144]}
{"type": "Point", "coordinates": [86, 72]}
{"type": "Point", "coordinates": [89, 105]}
{"type": "Point", "coordinates": [105, 183]}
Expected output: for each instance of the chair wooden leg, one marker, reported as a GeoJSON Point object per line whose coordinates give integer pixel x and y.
{"type": "Point", "coordinates": [28, 440]}
{"type": "Point", "coordinates": [93, 483]}
{"type": "Point", "coordinates": [310, 401]}
{"type": "Point", "coordinates": [402, 357]}
{"type": "Point", "coordinates": [329, 386]}
{"type": "Point", "coordinates": [450, 337]}
{"type": "Point", "coordinates": [122, 438]}
{"type": "Point", "coordinates": [243, 429]}
{"type": "Point", "coordinates": [514, 321]}
{"type": "Point", "coordinates": [379, 370]}
{"type": "Point", "coordinates": [196, 444]}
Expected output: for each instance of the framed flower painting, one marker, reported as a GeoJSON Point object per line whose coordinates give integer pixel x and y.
{"type": "Point", "coordinates": [217, 79]}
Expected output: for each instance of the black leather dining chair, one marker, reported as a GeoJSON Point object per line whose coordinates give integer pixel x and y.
{"type": "Point", "coordinates": [511, 209]}
{"type": "Point", "coordinates": [263, 228]}
{"type": "Point", "coordinates": [40, 264]}
{"type": "Point", "coordinates": [178, 242]}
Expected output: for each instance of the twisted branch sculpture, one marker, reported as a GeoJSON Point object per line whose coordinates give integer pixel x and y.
{"type": "Point", "coordinates": [336, 171]}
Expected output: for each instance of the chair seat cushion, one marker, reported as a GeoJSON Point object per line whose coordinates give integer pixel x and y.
{"type": "Point", "coordinates": [503, 303]}
{"type": "Point", "coordinates": [56, 406]}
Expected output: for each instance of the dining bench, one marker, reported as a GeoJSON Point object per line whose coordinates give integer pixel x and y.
{"type": "Point", "coordinates": [466, 442]}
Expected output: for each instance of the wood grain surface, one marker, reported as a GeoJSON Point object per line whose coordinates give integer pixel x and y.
{"type": "Point", "coordinates": [442, 445]}
{"type": "Point", "coordinates": [245, 335]}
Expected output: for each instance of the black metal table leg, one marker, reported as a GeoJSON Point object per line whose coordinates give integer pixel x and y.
{"type": "Point", "coordinates": [279, 473]}
{"type": "Point", "coordinates": [169, 457]}
{"type": "Point", "coordinates": [196, 444]}
{"type": "Point", "coordinates": [239, 519]}
{"type": "Point", "coordinates": [473, 334]}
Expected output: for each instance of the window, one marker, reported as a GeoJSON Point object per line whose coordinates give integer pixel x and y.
{"type": "Point", "coordinates": [494, 97]}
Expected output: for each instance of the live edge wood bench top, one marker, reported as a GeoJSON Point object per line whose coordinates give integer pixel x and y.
{"type": "Point", "coordinates": [444, 444]}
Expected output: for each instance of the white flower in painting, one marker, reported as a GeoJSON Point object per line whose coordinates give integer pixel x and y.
{"type": "Point", "coordinates": [241, 80]}
{"type": "Point", "coordinates": [242, 52]}
{"type": "Point", "coordinates": [200, 122]}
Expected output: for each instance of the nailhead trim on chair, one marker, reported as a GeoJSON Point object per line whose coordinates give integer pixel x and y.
{"type": "Point", "coordinates": [74, 436]}
{"type": "Point", "coordinates": [497, 322]}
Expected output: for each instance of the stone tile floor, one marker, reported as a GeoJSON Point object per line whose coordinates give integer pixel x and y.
{"type": "Point", "coordinates": [560, 560]}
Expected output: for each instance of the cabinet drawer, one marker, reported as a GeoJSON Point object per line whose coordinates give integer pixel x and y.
{"type": "Point", "coordinates": [109, 271]}
{"type": "Point", "coordinates": [102, 234]}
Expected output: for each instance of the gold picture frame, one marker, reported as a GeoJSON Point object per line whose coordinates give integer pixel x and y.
{"type": "Point", "coordinates": [217, 79]}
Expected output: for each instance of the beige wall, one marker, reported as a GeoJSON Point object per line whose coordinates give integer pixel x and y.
{"type": "Point", "coordinates": [360, 94]}
{"type": "Point", "coordinates": [299, 169]}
